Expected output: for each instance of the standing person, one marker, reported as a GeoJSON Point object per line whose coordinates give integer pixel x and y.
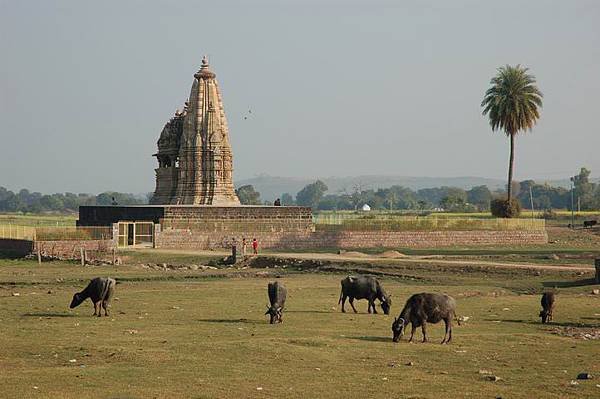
{"type": "Point", "coordinates": [233, 250]}
{"type": "Point", "coordinates": [244, 246]}
{"type": "Point", "coordinates": [255, 246]}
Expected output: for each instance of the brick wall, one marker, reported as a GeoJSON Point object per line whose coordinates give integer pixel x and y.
{"type": "Point", "coordinates": [416, 239]}
{"type": "Point", "coordinates": [71, 249]}
{"type": "Point", "coordinates": [189, 239]}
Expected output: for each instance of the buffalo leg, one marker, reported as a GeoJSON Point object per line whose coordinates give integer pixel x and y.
{"type": "Point", "coordinates": [104, 305]}
{"type": "Point", "coordinates": [412, 332]}
{"type": "Point", "coordinates": [96, 309]}
{"type": "Point", "coordinates": [446, 333]}
{"type": "Point", "coordinates": [343, 303]}
{"type": "Point", "coordinates": [424, 330]}
{"type": "Point", "coordinates": [373, 306]}
{"type": "Point", "coordinates": [352, 304]}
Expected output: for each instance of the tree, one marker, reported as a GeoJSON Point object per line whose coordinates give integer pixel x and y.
{"type": "Point", "coordinates": [248, 195]}
{"type": "Point", "coordinates": [287, 199]}
{"type": "Point", "coordinates": [311, 194]}
{"type": "Point", "coordinates": [584, 189]}
{"type": "Point", "coordinates": [512, 104]}
{"type": "Point", "coordinates": [480, 196]}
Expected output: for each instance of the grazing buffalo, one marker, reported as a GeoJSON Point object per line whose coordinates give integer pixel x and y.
{"type": "Point", "coordinates": [547, 307]}
{"type": "Point", "coordinates": [277, 296]}
{"type": "Point", "coordinates": [424, 308]}
{"type": "Point", "coordinates": [589, 223]}
{"type": "Point", "coordinates": [364, 287]}
{"type": "Point", "coordinates": [100, 290]}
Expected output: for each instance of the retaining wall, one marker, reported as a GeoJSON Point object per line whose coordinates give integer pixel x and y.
{"type": "Point", "coordinates": [190, 239]}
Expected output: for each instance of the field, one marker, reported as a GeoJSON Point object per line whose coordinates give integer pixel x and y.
{"type": "Point", "coordinates": [37, 220]}
{"type": "Point", "coordinates": [202, 334]}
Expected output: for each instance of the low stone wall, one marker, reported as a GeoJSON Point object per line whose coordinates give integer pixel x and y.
{"type": "Point", "coordinates": [16, 247]}
{"type": "Point", "coordinates": [71, 249]}
{"type": "Point", "coordinates": [190, 239]}
{"type": "Point", "coordinates": [421, 239]}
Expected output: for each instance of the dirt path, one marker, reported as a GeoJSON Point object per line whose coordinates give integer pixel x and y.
{"type": "Point", "coordinates": [405, 259]}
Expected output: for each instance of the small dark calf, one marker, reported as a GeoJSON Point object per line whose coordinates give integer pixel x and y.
{"type": "Point", "coordinates": [277, 296]}
{"type": "Point", "coordinates": [424, 308]}
{"type": "Point", "coordinates": [364, 287]}
{"type": "Point", "coordinates": [547, 307]}
{"type": "Point", "coordinates": [589, 223]}
{"type": "Point", "coordinates": [100, 290]}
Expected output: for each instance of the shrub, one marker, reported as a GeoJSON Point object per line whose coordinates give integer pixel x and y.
{"type": "Point", "coordinates": [502, 208]}
{"type": "Point", "coordinates": [549, 214]}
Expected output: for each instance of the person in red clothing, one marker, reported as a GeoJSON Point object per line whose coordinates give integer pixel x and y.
{"type": "Point", "coordinates": [255, 246]}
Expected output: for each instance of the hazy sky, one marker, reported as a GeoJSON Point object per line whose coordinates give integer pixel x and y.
{"type": "Point", "coordinates": [336, 88]}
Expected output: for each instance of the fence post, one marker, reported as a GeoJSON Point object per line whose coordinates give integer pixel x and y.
{"type": "Point", "coordinates": [82, 256]}
{"type": "Point", "coordinates": [39, 255]}
{"type": "Point", "coordinates": [114, 262]}
{"type": "Point", "coordinates": [597, 264]}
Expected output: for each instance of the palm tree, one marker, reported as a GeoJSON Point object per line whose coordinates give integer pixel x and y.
{"type": "Point", "coordinates": [513, 104]}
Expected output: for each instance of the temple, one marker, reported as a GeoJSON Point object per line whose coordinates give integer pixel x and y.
{"type": "Point", "coordinates": [195, 163]}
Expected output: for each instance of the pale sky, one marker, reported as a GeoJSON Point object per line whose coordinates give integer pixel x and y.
{"type": "Point", "coordinates": [336, 88]}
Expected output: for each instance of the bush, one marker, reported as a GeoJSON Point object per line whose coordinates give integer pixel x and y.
{"type": "Point", "coordinates": [502, 208]}
{"type": "Point", "coordinates": [549, 214]}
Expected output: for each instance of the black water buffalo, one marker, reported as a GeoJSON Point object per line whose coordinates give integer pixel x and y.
{"type": "Point", "coordinates": [589, 223]}
{"type": "Point", "coordinates": [277, 296]}
{"type": "Point", "coordinates": [364, 287]}
{"type": "Point", "coordinates": [100, 290]}
{"type": "Point", "coordinates": [547, 307]}
{"type": "Point", "coordinates": [424, 308]}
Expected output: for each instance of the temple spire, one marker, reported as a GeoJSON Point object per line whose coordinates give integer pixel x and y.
{"type": "Point", "coordinates": [204, 168]}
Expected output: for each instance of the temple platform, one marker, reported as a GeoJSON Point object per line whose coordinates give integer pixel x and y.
{"type": "Point", "coordinates": [201, 226]}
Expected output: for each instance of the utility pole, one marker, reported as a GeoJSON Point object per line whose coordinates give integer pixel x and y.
{"type": "Point", "coordinates": [531, 199]}
{"type": "Point", "coordinates": [572, 203]}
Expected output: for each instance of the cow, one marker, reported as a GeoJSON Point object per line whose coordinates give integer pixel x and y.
{"type": "Point", "coordinates": [589, 223]}
{"type": "Point", "coordinates": [424, 308]}
{"type": "Point", "coordinates": [547, 307]}
{"type": "Point", "coordinates": [364, 287]}
{"type": "Point", "coordinates": [277, 295]}
{"type": "Point", "coordinates": [100, 290]}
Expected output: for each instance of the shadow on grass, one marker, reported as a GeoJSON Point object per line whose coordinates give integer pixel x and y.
{"type": "Point", "coordinates": [372, 339]}
{"type": "Point", "coordinates": [550, 324]}
{"type": "Point", "coordinates": [246, 321]}
{"type": "Point", "coordinates": [567, 284]}
{"type": "Point", "coordinates": [48, 314]}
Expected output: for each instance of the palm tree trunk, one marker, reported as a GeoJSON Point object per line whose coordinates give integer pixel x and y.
{"type": "Point", "coordinates": [510, 166]}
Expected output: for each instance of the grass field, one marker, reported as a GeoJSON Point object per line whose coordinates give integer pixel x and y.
{"type": "Point", "coordinates": [197, 335]}
{"type": "Point", "coordinates": [36, 220]}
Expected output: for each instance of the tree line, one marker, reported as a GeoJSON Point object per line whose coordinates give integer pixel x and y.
{"type": "Point", "coordinates": [586, 196]}
{"type": "Point", "coordinates": [34, 202]}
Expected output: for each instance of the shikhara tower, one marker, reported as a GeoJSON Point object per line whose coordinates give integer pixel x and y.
{"type": "Point", "coordinates": [195, 163]}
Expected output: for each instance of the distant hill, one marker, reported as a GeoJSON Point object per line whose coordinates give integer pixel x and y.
{"type": "Point", "coordinates": [271, 187]}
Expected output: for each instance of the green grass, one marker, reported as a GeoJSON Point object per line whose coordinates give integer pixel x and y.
{"type": "Point", "coordinates": [38, 219]}
{"type": "Point", "coordinates": [181, 334]}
